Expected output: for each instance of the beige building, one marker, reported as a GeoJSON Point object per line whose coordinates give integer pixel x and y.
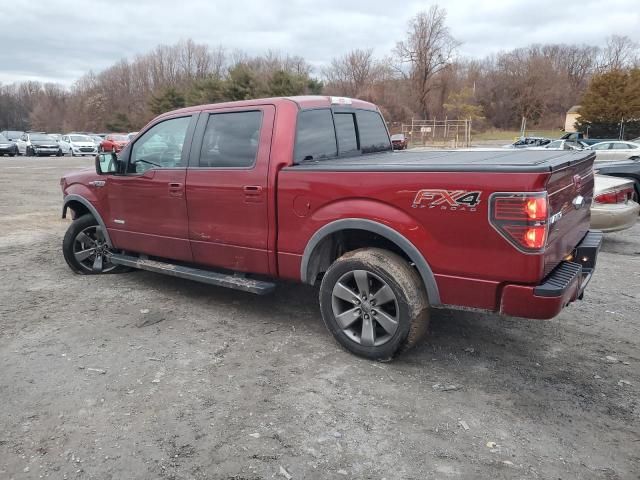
{"type": "Point", "coordinates": [571, 118]}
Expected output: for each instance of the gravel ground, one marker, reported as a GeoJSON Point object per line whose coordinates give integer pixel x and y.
{"type": "Point", "coordinates": [141, 376]}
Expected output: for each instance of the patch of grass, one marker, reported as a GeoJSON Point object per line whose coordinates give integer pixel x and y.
{"type": "Point", "coordinates": [511, 135]}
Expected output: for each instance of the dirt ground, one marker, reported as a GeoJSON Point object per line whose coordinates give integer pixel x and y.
{"type": "Point", "coordinates": [218, 384]}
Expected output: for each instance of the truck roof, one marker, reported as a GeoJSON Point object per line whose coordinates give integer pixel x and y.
{"type": "Point", "coordinates": [303, 102]}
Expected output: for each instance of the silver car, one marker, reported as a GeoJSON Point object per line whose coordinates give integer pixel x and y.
{"type": "Point", "coordinates": [614, 204]}
{"type": "Point", "coordinates": [618, 150]}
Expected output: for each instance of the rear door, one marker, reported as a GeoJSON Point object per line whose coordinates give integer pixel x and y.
{"type": "Point", "coordinates": [147, 204]}
{"type": "Point", "coordinates": [227, 188]}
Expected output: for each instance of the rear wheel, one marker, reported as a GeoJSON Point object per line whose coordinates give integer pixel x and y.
{"type": "Point", "coordinates": [85, 249]}
{"type": "Point", "coordinates": [374, 303]}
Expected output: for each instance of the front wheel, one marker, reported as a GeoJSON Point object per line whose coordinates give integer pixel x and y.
{"type": "Point", "coordinates": [374, 303]}
{"type": "Point", "coordinates": [85, 249]}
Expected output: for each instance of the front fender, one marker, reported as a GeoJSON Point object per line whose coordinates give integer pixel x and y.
{"type": "Point", "coordinates": [72, 198]}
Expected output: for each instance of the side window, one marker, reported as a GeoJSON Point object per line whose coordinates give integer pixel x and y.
{"type": "Point", "coordinates": [620, 146]}
{"type": "Point", "coordinates": [373, 132]}
{"type": "Point", "coordinates": [160, 146]}
{"type": "Point", "coordinates": [346, 132]}
{"type": "Point", "coordinates": [315, 137]}
{"type": "Point", "coordinates": [231, 140]}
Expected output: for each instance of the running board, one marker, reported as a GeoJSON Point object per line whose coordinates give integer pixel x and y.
{"type": "Point", "coordinates": [236, 282]}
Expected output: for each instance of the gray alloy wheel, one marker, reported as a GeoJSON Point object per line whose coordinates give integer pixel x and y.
{"type": "Point", "coordinates": [91, 251]}
{"type": "Point", "coordinates": [365, 308]}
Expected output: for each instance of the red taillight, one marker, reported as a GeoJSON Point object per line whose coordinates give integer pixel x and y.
{"type": "Point", "coordinates": [615, 196]}
{"type": "Point", "coordinates": [521, 218]}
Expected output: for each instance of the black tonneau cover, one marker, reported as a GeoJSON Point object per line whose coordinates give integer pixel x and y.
{"type": "Point", "coordinates": [451, 161]}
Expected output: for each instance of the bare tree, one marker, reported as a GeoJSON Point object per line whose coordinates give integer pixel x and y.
{"type": "Point", "coordinates": [428, 49]}
{"type": "Point", "coordinates": [355, 72]}
{"type": "Point", "coordinates": [620, 52]}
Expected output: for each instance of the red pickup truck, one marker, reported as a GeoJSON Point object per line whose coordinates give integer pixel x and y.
{"type": "Point", "coordinates": [309, 189]}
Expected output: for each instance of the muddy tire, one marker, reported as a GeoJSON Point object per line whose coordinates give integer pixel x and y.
{"type": "Point", "coordinates": [374, 303]}
{"type": "Point", "coordinates": [85, 249]}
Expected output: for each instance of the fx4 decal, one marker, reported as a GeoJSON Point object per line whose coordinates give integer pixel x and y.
{"type": "Point", "coordinates": [461, 200]}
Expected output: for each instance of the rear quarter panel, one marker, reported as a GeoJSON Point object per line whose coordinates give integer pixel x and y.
{"type": "Point", "coordinates": [461, 247]}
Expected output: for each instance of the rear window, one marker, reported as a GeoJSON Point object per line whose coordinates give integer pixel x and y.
{"type": "Point", "coordinates": [323, 134]}
{"type": "Point", "coordinates": [316, 137]}
{"type": "Point", "coordinates": [373, 132]}
{"type": "Point", "coordinates": [346, 132]}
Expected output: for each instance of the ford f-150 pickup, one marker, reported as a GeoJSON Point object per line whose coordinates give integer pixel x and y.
{"type": "Point", "coordinates": [309, 189]}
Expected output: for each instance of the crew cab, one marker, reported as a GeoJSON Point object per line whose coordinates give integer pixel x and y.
{"type": "Point", "coordinates": [309, 189]}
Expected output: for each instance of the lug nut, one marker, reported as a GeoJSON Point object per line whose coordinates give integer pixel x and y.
{"type": "Point", "coordinates": [356, 301]}
{"type": "Point", "coordinates": [373, 302]}
{"type": "Point", "coordinates": [373, 312]}
{"type": "Point", "coordinates": [366, 317]}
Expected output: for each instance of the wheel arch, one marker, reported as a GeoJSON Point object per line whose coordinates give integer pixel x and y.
{"type": "Point", "coordinates": [319, 249]}
{"type": "Point", "coordinates": [81, 206]}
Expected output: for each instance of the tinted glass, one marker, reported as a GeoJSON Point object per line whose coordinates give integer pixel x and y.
{"type": "Point", "coordinates": [373, 132]}
{"type": "Point", "coordinates": [315, 138]}
{"type": "Point", "coordinates": [80, 138]}
{"type": "Point", "coordinates": [231, 139]}
{"type": "Point", "coordinates": [160, 146]}
{"type": "Point", "coordinates": [620, 146]}
{"type": "Point", "coordinates": [346, 132]}
{"type": "Point", "coordinates": [555, 144]}
{"type": "Point", "coordinates": [40, 137]}
{"type": "Point", "coordinates": [601, 146]}
{"type": "Point", "coordinates": [400, 137]}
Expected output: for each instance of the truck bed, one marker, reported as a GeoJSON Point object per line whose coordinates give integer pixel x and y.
{"type": "Point", "coordinates": [450, 161]}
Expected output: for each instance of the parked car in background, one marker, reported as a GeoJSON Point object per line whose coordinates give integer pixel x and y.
{"type": "Point", "coordinates": [78, 144]}
{"type": "Point", "coordinates": [97, 139]}
{"type": "Point", "coordinates": [615, 150]}
{"type": "Point", "coordinates": [528, 142]}
{"type": "Point", "coordinates": [566, 145]}
{"type": "Point", "coordinates": [399, 141]}
{"type": "Point", "coordinates": [8, 147]}
{"type": "Point", "coordinates": [615, 205]}
{"type": "Point", "coordinates": [12, 135]}
{"type": "Point", "coordinates": [56, 136]}
{"type": "Point", "coordinates": [38, 143]}
{"type": "Point", "coordinates": [628, 169]}
{"type": "Point", "coordinates": [114, 143]}
{"type": "Point", "coordinates": [579, 136]}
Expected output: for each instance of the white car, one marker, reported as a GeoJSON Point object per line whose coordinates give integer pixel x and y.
{"type": "Point", "coordinates": [618, 150]}
{"type": "Point", "coordinates": [77, 144]}
{"type": "Point", "coordinates": [614, 204]}
{"type": "Point", "coordinates": [34, 144]}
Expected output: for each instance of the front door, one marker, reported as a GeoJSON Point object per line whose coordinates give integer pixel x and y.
{"type": "Point", "coordinates": [147, 204]}
{"type": "Point", "coordinates": [228, 189]}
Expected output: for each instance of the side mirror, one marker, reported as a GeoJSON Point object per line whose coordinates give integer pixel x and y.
{"type": "Point", "coordinates": [106, 163]}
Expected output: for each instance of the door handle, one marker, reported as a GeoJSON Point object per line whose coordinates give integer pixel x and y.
{"type": "Point", "coordinates": [175, 189]}
{"type": "Point", "coordinates": [252, 194]}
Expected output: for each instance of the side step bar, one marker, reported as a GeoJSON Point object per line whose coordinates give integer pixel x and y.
{"type": "Point", "coordinates": [250, 285]}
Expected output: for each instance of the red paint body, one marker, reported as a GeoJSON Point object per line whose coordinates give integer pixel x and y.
{"type": "Point", "coordinates": [260, 219]}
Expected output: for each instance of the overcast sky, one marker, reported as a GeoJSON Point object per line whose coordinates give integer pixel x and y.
{"type": "Point", "coordinates": [59, 40]}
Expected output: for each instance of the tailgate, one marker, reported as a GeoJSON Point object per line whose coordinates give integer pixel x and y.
{"type": "Point", "coordinates": [570, 192]}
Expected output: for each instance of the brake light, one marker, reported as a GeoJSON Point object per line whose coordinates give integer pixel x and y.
{"type": "Point", "coordinates": [615, 196]}
{"type": "Point", "coordinates": [521, 218]}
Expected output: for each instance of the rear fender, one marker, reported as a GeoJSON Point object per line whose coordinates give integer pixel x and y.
{"type": "Point", "coordinates": [388, 222]}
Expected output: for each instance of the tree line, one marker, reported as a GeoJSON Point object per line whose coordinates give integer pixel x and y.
{"type": "Point", "coordinates": [423, 77]}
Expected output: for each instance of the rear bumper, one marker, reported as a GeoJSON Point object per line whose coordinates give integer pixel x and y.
{"type": "Point", "coordinates": [612, 218]}
{"type": "Point", "coordinates": [565, 284]}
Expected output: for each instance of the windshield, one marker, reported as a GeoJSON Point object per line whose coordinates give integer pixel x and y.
{"type": "Point", "coordinates": [397, 136]}
{"type": "Point", "coordinates": [96, 139]}
{"type": "Point", "coordinates": [38, 137]}
{"type": "Point", "coordinates": [556, 144]}
{"type": "Point", "coordinates": [80, 138]}
{"type": "Point", "coordinates": [14, 134]}
{"type": "Point", "coordinates": [119, 138]}
{"type": "Point", "coordinates": [3, 139]}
